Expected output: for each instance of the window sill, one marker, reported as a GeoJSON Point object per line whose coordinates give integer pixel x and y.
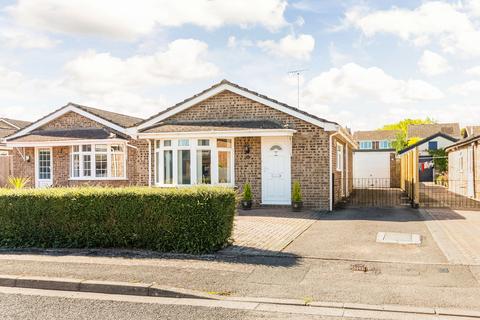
{"type": "Point", "coordinates": [192, 185]}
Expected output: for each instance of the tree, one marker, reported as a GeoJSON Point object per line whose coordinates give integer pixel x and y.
{"type": "Point", "coordinates": [401, 141]}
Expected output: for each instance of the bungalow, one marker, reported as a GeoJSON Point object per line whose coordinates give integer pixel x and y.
{"type": "Point", "coordinates": [226, 135]}
{"type": "Point", "coordinates": [464, 167]}
{"type": "Point", "coordinates": [8, 127]}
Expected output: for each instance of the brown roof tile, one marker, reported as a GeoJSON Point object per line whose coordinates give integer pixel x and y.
{"type": "Point", "coordinates": [67, 135]}
{"type": "Point", "coordinates": [427, 130]}
{"type": "Point", "coordinates": [117, 118]}
{"type": "Point", "coordinates": [376, 135]}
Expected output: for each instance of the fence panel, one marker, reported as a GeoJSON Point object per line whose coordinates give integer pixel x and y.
{"type": "Point", "coordinates": [6, 167]}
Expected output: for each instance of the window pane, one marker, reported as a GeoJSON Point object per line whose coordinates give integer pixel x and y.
{"type": "Point", "coordinates": [183, 163]}
{"type": "Point", "coordinates": [100, 148]}
{"type": "Point", "coordinates": [224, 143]}
{"type": "Point", "coordinates": [183, 143]}
{"type": "Point", "coordinates": [204, 167]}
{"type": "Point", "coordinates": [76, 148]}
{"type": "Point", "coordinates": [116, 148]}
{"type": "Point", "coordinates": [87, 165]}
{"type": "Point", "coordinates": [86, 148]}
{"type": "Point", "coordinates": [44, 164]}
{"type": "Point", "coordinates": [203, 143]}
{"type": "Point", "coordinates": [76, 165]}
{"type": "Point", "coordinates": [117, 165]}
{"type": "Point", "coordinates": [168, 167]}
{"type": "Point", "coordinates": [167, 143]}
{"type": "Point", "coordinates": [224, 167]}
{"type": "Point", "coordinates": [100, 165]}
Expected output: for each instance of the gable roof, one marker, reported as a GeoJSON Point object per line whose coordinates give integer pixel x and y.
{"type": "Point", "coordinates": [376, 135]}
{"type": "Point", "coordinates": [463, 142]}
{"type": "Point", "coordinates": [6, 123]}
{"type": "Point", "coordinates": [212, 125]}
{"type": "Point", "coordinates": [115, 121]}
{"type": "Point", "coordinates": [427, 130]}
{"type": "Point", "coordinates": [68, 135]}
{"type": "Point", "coordinates": [436, 135]}
{"type": "Point", "coordinates": [226, 85]}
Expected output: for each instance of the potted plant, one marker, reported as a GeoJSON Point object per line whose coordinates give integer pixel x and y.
{"type": "Point", "coordinates": [297, 203]}
{"type": "Point", "coordinates": [247, 197]}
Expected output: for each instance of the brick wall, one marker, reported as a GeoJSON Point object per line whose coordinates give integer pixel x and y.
{"type": "Point", "coordinates": [309, 145]}
{"type": "Point", "coordinates": [71, 120]}
{"type": "Point", "coordinates": [248, 167]}
{"type": "Point", "coordinates": [23, 168]}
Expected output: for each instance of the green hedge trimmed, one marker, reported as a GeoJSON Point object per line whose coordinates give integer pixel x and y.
{"type": "Point", "coordinates": [188, 220]}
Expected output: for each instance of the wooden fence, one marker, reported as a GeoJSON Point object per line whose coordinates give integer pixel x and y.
{"type": "Point", "coordinates": [6, 167]}
{"type": "Point", "coordinates": [409, 177]}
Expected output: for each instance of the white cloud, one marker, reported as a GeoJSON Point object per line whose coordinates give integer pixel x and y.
{"type": "Point", "coordinates": [130, 19]}
{"type": "Point", "coordinates": [446, 23]}
{"type": "Point", "coordinates": [475, 71]}
{"type": "Point", "coordinates": [17, 38]}
{"type": "Point", "coordinates": [468, 88]}
{"type": "Point", "coordinates": [290, 46]}
{"type": "Point", "coordinates": [353, 81]}
{"type": "Point", "coordinates": [183, 61]}
{"type": "Point", "coordinates": [336, 57]}
{"type": "Point", "coordinates": [433, 64]}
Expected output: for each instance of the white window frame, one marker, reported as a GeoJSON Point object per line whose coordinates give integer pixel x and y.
{"type": "Point", "coordinates": [384, 144]}
{"type": "Point", "coordinates": [366, 145]}
{"type": "Point", "coordinates": [340, 157]}
{"type": "Point", "coordinates": [193, 148]}
{"type": "Point", "coordinates": [92, 154]}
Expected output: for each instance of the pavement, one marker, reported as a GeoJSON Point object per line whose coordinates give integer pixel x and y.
{"type": "Point", "coordinates": [456, 233]}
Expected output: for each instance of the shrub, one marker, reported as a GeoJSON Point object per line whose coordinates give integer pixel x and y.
{"type": "Point", "coordinates": [297, 192]}
{"type": "Point", "coordinates": [18, 182]}
{"type": "Point", "coordinates": [189, 220]}
{"type": "Point", "coordinates": [247, 192]}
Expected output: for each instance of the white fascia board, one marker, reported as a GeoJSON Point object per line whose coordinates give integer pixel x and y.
{"type": "Point", "coordinates": [61, 112]}
{"type": "Point", "coordinates": [10, 124]}
{"type": "Point", "coordinates": [325, 125]}
{"type": "Point", "coordinates": [220, 134]}
{"type": "Point", "coordinates": [64, 143]}
{"type": "Point", "coordinates": [347, 138]}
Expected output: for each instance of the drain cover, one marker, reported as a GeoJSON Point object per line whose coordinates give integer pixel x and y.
{"type": "Point", "coordinates": [399, 238]}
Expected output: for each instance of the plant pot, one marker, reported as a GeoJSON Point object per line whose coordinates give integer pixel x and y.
{"type": "Point", "coordinates": [246, 204]}
{"type": "Point", "coordinates": [297, 206]}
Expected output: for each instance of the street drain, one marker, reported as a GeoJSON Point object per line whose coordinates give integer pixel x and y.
{"type": "Point", "coordinates": [443, 270]}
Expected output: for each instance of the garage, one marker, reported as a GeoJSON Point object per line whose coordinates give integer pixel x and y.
{"type": "Point", "coordinates": [372, 168]}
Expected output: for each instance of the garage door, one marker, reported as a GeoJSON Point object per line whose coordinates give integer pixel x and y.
{"type": "Point", "coordinates": [372, 168]}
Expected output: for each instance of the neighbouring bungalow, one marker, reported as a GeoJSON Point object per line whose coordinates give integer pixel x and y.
{"type": "Point", "coordinates": [464, 167]}
{"type": "Point", "coordinates": [374, 162]}
{"type": "Point", "coordinates": [226, 135]}
{"type": "Point", "coordinates": [9, 127]}
{"type": "Point", "coordinates": [434, 142]}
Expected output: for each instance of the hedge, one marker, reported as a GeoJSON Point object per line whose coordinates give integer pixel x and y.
{"type": "Point", "coordinates": [186, 220]}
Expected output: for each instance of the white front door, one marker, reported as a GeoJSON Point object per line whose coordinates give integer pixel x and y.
{"type": "Point", "coordinates": [43, 167]}
{"type": "Point", "coordinates": [276, 170]}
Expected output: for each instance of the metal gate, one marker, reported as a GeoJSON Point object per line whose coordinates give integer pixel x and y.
{"type": "Point", "coordinates": [376, 192]}
{"type": "Point", "coordinates": [454, 194]}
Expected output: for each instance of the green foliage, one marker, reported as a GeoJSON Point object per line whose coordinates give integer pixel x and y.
{"type": "Point", "coordinates": [412, 141]}
{"type": "Point", "coordinates": [400, 141]}
{"type": "Point", "coordinates": [188, 220]}
{"type": "Point", "coordinates": [297, 192]}
{"type": "Point", "coordinates": [440, 160]}
{"type": "Point", "coordinates": [18, 182]}
{"type": "Point", "coordinates": [247, 192]}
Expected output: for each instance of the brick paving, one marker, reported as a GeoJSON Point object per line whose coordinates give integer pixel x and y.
{"type": "Point", "coordinates": [268, 231]}
{"type": "Point", "coordinates": [456, 233]}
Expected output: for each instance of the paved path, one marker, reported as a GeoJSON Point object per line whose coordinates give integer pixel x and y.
{"type": "Point", "coordinates": [457, 233]}
{"type": "Point", "coordinates": [268, 231]}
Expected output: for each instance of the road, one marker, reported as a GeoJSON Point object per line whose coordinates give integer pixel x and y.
{"type": "Point", "coordinates": [25, 305]}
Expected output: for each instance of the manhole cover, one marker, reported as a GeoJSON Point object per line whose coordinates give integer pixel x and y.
{"type": "Point", "coordinates": [399, 238]}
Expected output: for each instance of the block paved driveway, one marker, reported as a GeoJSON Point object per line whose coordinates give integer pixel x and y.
{"type": "Point", "coordinates": [268, 231]}
{"type": "Point", "coordinates": [457, 233]}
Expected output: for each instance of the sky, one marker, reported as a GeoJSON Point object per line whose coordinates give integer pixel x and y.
{"type": "Point", "coordinates": [366, 63]}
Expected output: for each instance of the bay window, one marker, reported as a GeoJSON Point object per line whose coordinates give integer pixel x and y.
{"type": "Point", "coordinates": [98, 161]}
{"type": "Point", "coordinates": [194, 161]}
